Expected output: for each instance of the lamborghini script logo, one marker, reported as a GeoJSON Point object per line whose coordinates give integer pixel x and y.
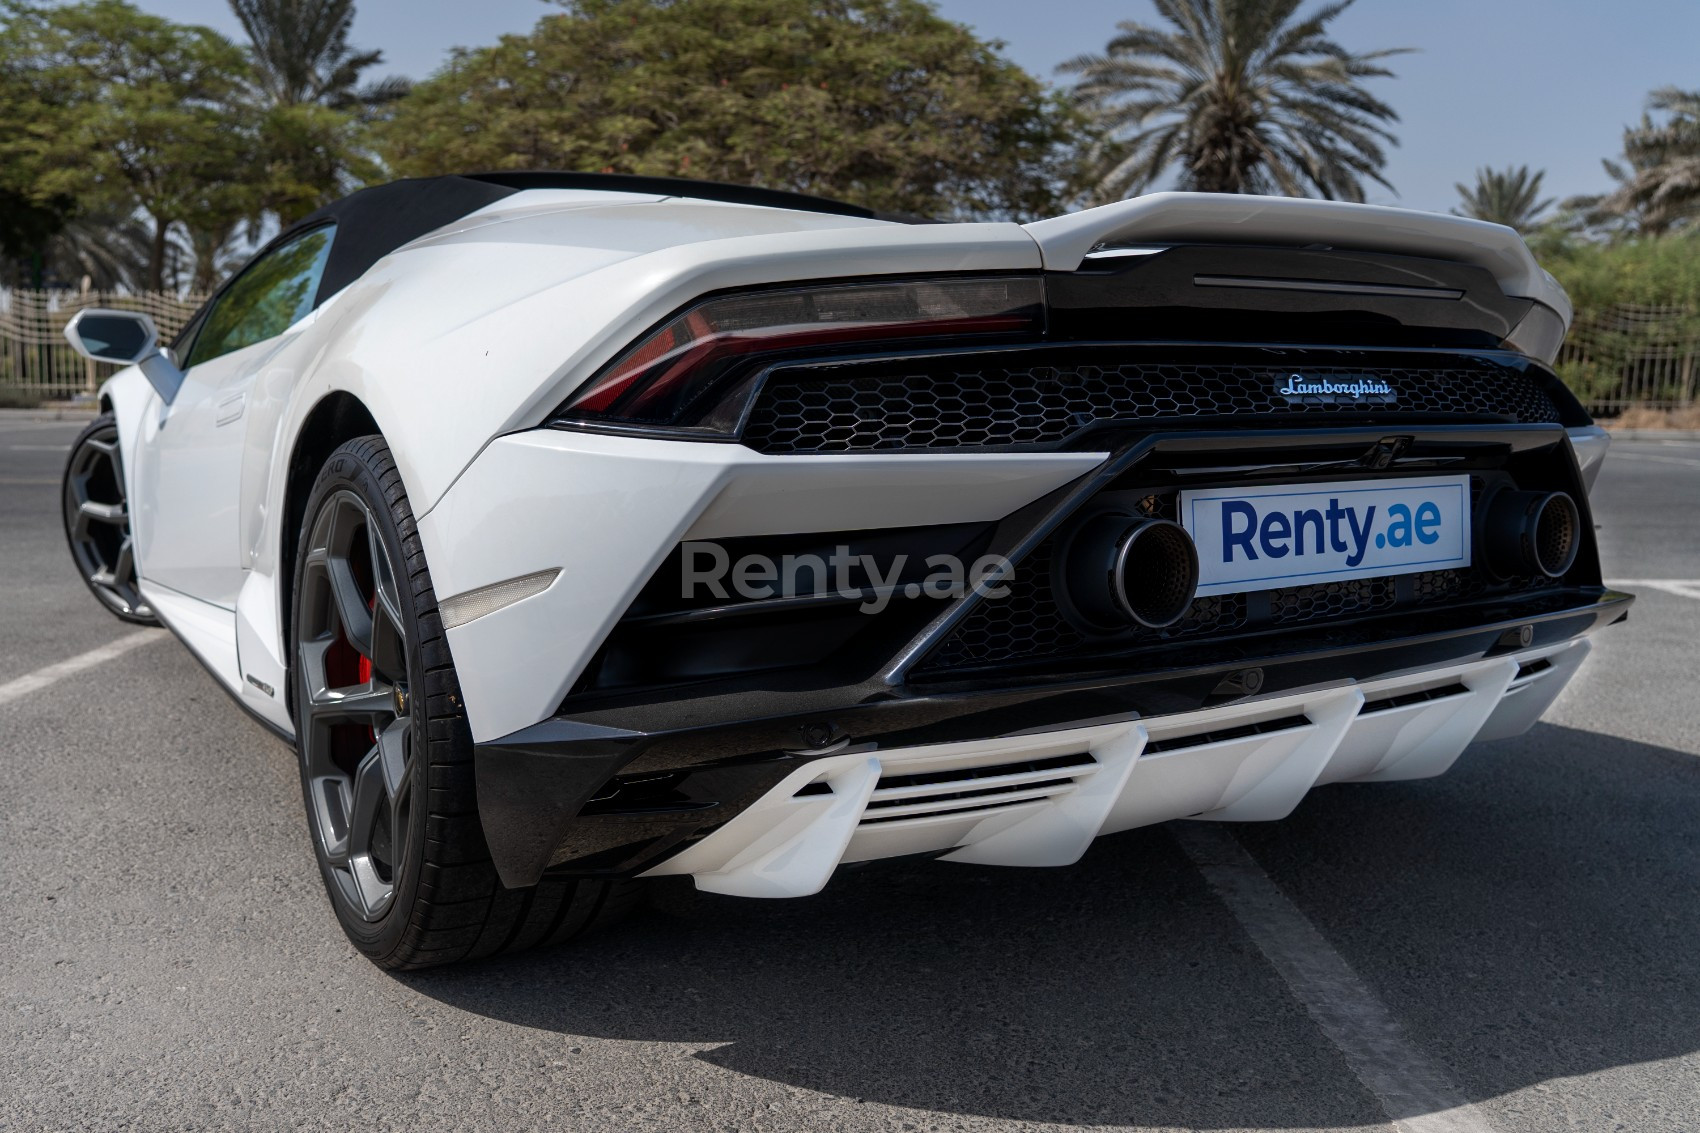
{"type": "Point", "coordinates": [1361, 389]}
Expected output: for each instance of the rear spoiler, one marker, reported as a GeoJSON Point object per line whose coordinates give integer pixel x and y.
{"type": "Point", "coordinates": [1222, 218]}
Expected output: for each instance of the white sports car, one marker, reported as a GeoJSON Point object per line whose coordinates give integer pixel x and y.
{"type": "Point", "coordinates": [582, 529]}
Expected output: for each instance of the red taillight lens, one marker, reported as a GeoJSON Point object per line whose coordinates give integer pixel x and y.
{"type": "Point", "coordinates": [679, 374]}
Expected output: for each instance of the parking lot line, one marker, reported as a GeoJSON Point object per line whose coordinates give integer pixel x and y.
{"type": "Point", "coordinates": [1416, 1093]}
{"type": "Point", "coordinates": [34, 682]}
{"type": "Point", "coordinates": [1681, 587]}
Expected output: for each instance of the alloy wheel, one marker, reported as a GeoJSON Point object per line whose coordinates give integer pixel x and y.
{"type": "Point", "coordinates": [356, 734]}
{"type": "Point", "coordinates": [97, 520]}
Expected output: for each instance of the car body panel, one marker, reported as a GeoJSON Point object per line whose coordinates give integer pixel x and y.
{"type": "Point", "coordinates": [130, 398]}
{"type": "Point", "coordinates": [208, 630]}
{"type": "Point", "coordinates": [191, 475]}
{"type": "Point", "coordinates": [543, 499]}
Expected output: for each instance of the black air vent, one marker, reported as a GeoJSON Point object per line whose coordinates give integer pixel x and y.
{"type": "Point", "coordinates": [1222, 735]}
{"type": "Point", "coordinates": [812, 613]}
{"type": "Point", "coordinates": [1406, 699]}
{"type": "Point", "coordinates": [928, 795]}
{"type": "Point", "coordinates": [1037, 398]}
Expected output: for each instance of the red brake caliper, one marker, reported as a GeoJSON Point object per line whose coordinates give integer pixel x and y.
{"type": "Point", "coordinates": [363, 668]}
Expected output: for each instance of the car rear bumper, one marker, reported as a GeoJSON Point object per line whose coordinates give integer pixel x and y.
{"type": "Point", "coordinates": [604, 511]}
{"type": "Point", "coordinates": [766, 796]}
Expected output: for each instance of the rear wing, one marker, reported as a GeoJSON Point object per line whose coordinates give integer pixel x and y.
{"type": "Point", "coordinates": [1221, 218]}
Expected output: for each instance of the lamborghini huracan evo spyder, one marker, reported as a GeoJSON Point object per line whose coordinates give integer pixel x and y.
{"type": "Point", "coordinates": [581, 529]}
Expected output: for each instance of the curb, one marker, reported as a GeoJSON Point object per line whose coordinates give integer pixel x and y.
{"type": "Point", "coordinates": [56, 413]}
{"type": "Point", "coordinates": [1654, 434]}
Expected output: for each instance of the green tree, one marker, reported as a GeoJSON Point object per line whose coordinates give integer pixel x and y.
{"type": "Point", "coordinates": [1236, 96]}
{"type": "Point", "coordinates": [30, 217]}
{"type": "Point", "coordinates": [1510, 197]}
{"type": "Point", "coordinates": [112, 120]}
{"type": "Point", "coordinates": [155, 120]}
{"type": "Point", "coordinates": [879, 101]}
{"type": "Point", "coordinates": [311, 106]}
{"type": "Point", "coordinates": [308, 156]}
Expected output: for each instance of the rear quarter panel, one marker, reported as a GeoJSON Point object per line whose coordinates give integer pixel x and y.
{"type": "Point", "coordinates": [452, 342]}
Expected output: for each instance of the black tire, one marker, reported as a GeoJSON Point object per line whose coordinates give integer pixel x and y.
{"type": "Point", "coordinates": [96, 513]}
{"type": "Point", "coordinates": [430, 896]}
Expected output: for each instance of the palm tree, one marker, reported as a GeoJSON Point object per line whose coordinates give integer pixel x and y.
{"type": "Point", "coordinates": [1659, 178]}
{"type": "Point", "coordinates": [1238, 96]}
{"type": "Point", "coordinates": [1509, 197]}
{"type": "Point", "coordinates": [301, 52]}
{"type": "Point", "coordinates": [108, 246]}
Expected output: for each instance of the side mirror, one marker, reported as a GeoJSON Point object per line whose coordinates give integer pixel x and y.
{"type": "Point", "coordinates": [125, 338]}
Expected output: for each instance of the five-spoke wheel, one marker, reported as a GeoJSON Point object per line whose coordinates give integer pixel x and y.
{"type": "Point", "coordinates": [97, 522]}
{"type": "Point", "coordinates": [356, 715]}
{"type": "Point", "coordinates": [387, 758]}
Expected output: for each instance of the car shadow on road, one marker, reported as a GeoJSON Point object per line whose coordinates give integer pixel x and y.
{"type": "Point", "coordinates": [1528, 917]}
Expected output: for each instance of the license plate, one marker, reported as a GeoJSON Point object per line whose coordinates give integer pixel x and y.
{"type": "Point", "coordinates": [1294, 535]}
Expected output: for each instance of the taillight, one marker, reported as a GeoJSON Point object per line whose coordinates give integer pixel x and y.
{"type": "Point", "coordinates": [690, 372]}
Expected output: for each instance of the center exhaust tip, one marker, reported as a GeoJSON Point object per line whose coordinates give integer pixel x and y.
{"type": "Point", "coordinates": [1118, 569]}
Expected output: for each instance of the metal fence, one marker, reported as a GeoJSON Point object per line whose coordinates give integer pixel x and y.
{"type": "Point", "coordinates": [35, 360]}
{"type": "Point", "coordinates": [1615, 359]}
{"type": "Point", "coordinates": [1628, 357]}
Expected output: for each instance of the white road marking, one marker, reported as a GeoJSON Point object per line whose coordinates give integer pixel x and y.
{"type": "Point", "coordinates": [1681, 587]}
{"type": "Point", "coordinates": [34, 682]}
{"type": "Point", "coordinates": [38, 448]}
{"type": "Point", "coordinates": [1418, 1095]}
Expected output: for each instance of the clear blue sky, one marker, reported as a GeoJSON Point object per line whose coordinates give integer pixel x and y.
{"type": "Point", "coordinates": [1548, 83]}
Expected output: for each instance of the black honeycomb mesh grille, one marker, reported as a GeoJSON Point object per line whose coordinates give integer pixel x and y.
{"type": "Point", "coordinates": [1331, 600]}
{"type": "Point", "coordinates": [1014, 398]}
{"type": "Point", "coordinates": [1026, 623]}
{"type": "Point", "coordinates": [1447, 586]}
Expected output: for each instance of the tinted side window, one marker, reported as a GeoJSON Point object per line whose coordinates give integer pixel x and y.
{"type": "Point", "coordinates": [267, 298]}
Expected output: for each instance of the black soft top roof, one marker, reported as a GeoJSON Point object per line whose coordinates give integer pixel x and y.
{"type": "Point", "coordinates": [374, 222]}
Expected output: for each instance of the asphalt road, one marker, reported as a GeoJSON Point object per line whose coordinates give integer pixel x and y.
{"type": "Point", "coordinates": [1522, 931]}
